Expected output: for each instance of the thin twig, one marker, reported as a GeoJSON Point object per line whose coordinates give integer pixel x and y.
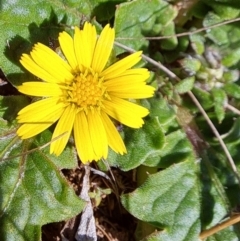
{"type": "Point", "coordinates": [231, 221]}
{"type": "Point", "coordinates": [196, 102]}
{"type": "Point", "coordinates": [232, 108]}
{"type": "Point", "coordinates": [185, 33]}
{"type": "Point", "coordinates": [103, 231]}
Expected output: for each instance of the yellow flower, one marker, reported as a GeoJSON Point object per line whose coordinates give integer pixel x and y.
{"type": "Point", "coordinates": [82, 94]}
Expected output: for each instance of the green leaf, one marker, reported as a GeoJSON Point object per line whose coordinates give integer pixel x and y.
{"type": "Point", "coordinates": [130, 24]}
{"type": "Point", "coordinates": [232, 58]}
{"type": "Point", "coordinates": [142, 144]}
{"type": "Point", "coordinates": [226, 9]}
{"type": "Point", "coordinates": [231, 233]}
{"type": "Point", "coordinates": [38, 21]}
{"type": "Point", "coordinates": [231, 76]}
{"type": "Point", "coordinates": [233, 135]}
{"type": "Point", "coordinates": [204, 97]}
{"type": "Point", "coordinates": [145, 145]}
{"type": "Point", "coordinates": [220, 99]}
{"type": "Point", "coordinates": [169, 43]}
{"type": "Point", "coordinates": [232, 89]}
{"type": "Point", "coordinates": [102, 10]}
{"type": "Point", "coordinates": [167, 15]}
{"type": "Point", "coordinates": [166, 113]}
{"type": "Point", "coordinates": [220, 188]}
{"type": "Point", "coordinates": [218, 35]}
{"type": "Point", "coordinates": [176, 149]}
{"type": "Point", "coordinates": [214, 195]}
{"type": "Point", "coordinates": [190, 65]}
{"type": "Point", "coordinates": [169, 200]}
{"type": "Point", "coordinates": [41, 21]}
{"type": "Point", "coordinates": [197, 43]}
{"type": "Point", "coordinates": [33, 191]}
{"type": "Point", "coordinates": [185, 85]}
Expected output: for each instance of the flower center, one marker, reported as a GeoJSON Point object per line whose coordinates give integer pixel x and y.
{"type": "Point", "coordinates": [86, 90]}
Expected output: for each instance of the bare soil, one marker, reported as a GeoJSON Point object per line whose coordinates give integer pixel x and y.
{"type": "Point", "coordinates": [113, 222]}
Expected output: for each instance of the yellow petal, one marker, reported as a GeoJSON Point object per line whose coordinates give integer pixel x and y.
{"type": "Point", "coordinates": [121, 66]}
{"type": "Point", "coordinates": [67, 46]}
{"type": "Point", "coordinates": [124, 92]}
{"type": "Point", "coordinates": [137, 71]}
{"type": "Point", "coordinates": [114, 139]}
{"type": "Point", "coordinates": [38, 104]}
{"type": "Point", "coordinates": [51, 62]}
{"type": "Point", "coordinates": [103, 48]}
{"type": "Point", "coordinates": [82, 138]}
{"type": "Point", "coordinates": [64, 126]}
{"type": "Point", "coordinates": [128, 113]}
{"type": "Point", "coordinates": [43, 111]}
{"type": "Point", "coordinates": [35, 69]}
{"type": "Point", "coordinates": [129, 77]}
{"type": "Point", "coordinates": [84, 44]}
{"type": "Point", "coordinates": [97, 134]}
{"type": "Point", "coordinates": [29, 130]}
{"type": "Point", "coordinates": [40, 89]}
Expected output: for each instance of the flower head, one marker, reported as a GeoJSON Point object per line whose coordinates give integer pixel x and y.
{"type": "Point", "coordinates": [82, 94]}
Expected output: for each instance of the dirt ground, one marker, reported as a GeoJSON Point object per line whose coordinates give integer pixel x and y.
{"type": "Point", "coordinates": [113, 223]}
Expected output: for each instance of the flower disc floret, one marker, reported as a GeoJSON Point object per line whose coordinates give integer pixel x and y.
{"type": "Point", "coordinates": [86, 91]}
